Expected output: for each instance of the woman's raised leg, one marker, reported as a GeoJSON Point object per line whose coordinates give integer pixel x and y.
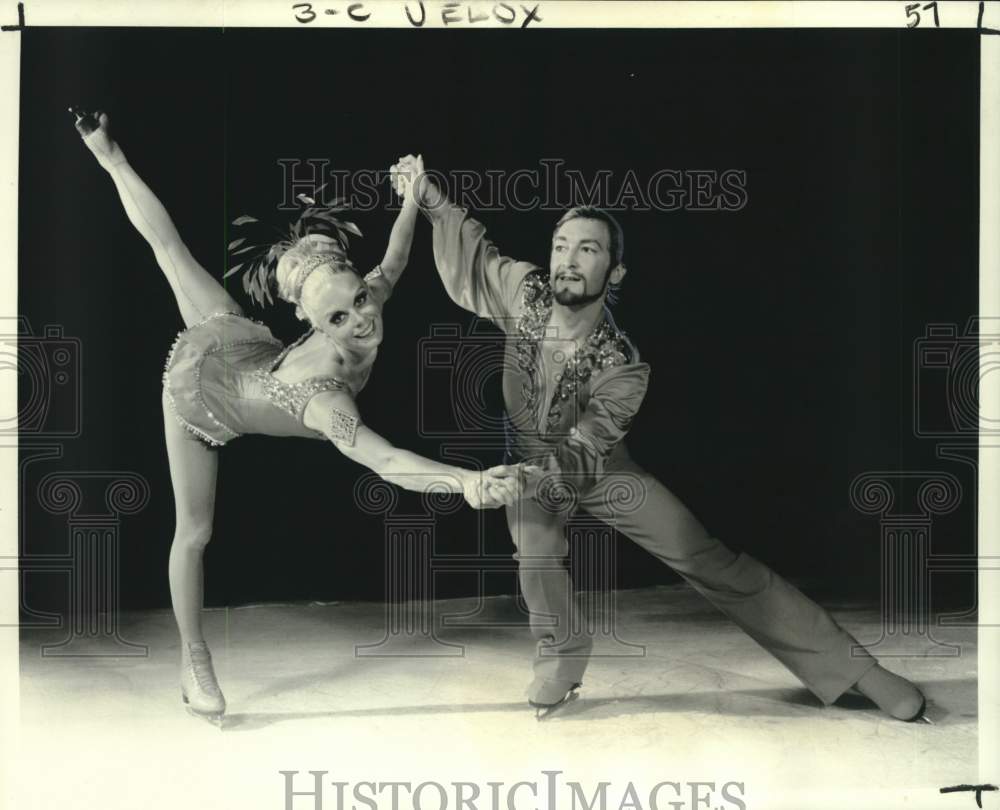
{"type": "Point", "coordinates": [197, 293]}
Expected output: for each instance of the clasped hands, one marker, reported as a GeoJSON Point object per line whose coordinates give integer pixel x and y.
{"type": "Point", "coordinates": [498, 486]}
{"type": "Point", "coordinates": [506, 483]}
{"type": "Point", "coordinates": [406, 174]}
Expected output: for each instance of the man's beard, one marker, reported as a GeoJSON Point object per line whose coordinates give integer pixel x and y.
{"type": "Point", "coordinates": [574, 300]}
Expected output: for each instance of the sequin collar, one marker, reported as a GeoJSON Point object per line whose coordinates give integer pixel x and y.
{"type": "Point", "coordinates": [605, 347]}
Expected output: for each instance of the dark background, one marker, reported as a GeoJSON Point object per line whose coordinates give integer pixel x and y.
{"type": "Point", "coordinates": [780, 336]}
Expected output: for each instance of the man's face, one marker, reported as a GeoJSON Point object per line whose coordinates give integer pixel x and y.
{"type": "Point", "coordinates": [580, 261]}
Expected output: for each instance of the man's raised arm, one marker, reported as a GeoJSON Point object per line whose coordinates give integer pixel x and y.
{"type": "Point", "coordinates": [473, 272]}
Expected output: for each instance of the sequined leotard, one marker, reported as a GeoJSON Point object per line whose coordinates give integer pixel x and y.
{"type": "Point", "coordinates": [219, 383]}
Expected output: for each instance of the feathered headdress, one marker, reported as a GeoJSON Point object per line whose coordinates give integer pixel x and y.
{"type": "Point", "coordinates": [259, 262]}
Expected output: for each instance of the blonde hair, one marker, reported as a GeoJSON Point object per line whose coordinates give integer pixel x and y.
{"type": "Point", "coordinates": [306, 255]}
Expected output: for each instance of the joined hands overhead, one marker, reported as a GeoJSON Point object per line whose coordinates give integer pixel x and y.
{"type": "Point", "coordinates": [406, 175]}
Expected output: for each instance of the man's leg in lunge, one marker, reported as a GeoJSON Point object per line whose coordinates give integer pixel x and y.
{"type": "Point", "coordinates": [563, 646]}
{"type": "Point", "coordinates": [793, 628]}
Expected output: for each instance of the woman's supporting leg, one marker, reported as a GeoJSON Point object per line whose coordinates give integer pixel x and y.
{"type": "Point", "coordinates": [193, 472]}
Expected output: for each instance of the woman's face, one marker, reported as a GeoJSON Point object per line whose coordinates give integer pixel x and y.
{"type": "Point", "coordinates": [340, 306]}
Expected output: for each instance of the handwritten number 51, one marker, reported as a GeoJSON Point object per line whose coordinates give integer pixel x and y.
{"type": "Point", "coordinates": [913, 12]}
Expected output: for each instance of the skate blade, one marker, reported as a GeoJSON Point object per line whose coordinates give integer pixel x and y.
{"type": "Point", "coordinates": [922, 714]}
{"type": "Point", "coordinates": [543, 712]}
{"type": "Point", "coordinates": [215, 718]}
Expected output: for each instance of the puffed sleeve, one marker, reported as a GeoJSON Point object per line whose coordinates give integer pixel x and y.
{"type": "Point", "coordinates": [615, 397]}
{"type": "Point", "coordinates": [473, 272]}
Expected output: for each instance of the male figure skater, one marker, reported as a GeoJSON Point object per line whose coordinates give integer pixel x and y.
{"type": "Point", "coordinates": [572, 384]}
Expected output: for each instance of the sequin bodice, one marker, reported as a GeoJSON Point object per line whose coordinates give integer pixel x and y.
{"type": "Point", "coordinates": [219, 382]}
{"type": "Point", "coordinates": [292, 398]}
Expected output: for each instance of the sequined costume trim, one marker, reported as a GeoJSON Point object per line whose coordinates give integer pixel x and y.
{"type": "Point", "coordinates": [604, 348]}
{"type": "Point", "coordinates": [292, 398]}
{"type": "Point", "coordinates": [193, 429]}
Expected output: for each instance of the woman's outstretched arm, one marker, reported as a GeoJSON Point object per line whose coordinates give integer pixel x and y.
{"type": "Point", "coordinates": [334, 414]}
{"type": "Point", "coordinates": [198, 294]}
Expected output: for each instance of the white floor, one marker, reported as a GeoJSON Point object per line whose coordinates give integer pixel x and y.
{"type": "Point", "coordinates": [703, 703]}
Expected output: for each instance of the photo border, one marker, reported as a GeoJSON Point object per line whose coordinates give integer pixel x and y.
{"type": "Point", "coordinates": [555, 14]}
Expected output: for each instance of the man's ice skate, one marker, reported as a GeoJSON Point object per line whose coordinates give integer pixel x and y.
{"type": "Point", "coordinates": [546, 696]}
{"type": "Point", "coordinates": [894, 695]}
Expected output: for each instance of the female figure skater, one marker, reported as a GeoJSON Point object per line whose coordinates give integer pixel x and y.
{"type": "Point", "coordinates": [227, 375]}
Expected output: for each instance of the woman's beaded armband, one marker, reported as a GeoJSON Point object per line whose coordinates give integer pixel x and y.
{"type": "Point", "coordinates": [343, 426]}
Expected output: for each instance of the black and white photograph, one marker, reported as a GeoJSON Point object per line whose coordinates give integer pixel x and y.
{"type": "Point", "coordinates": [500, 406]}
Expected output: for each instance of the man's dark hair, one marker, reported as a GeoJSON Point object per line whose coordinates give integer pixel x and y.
{"type": "Point", "coordinates": [617, 246]}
